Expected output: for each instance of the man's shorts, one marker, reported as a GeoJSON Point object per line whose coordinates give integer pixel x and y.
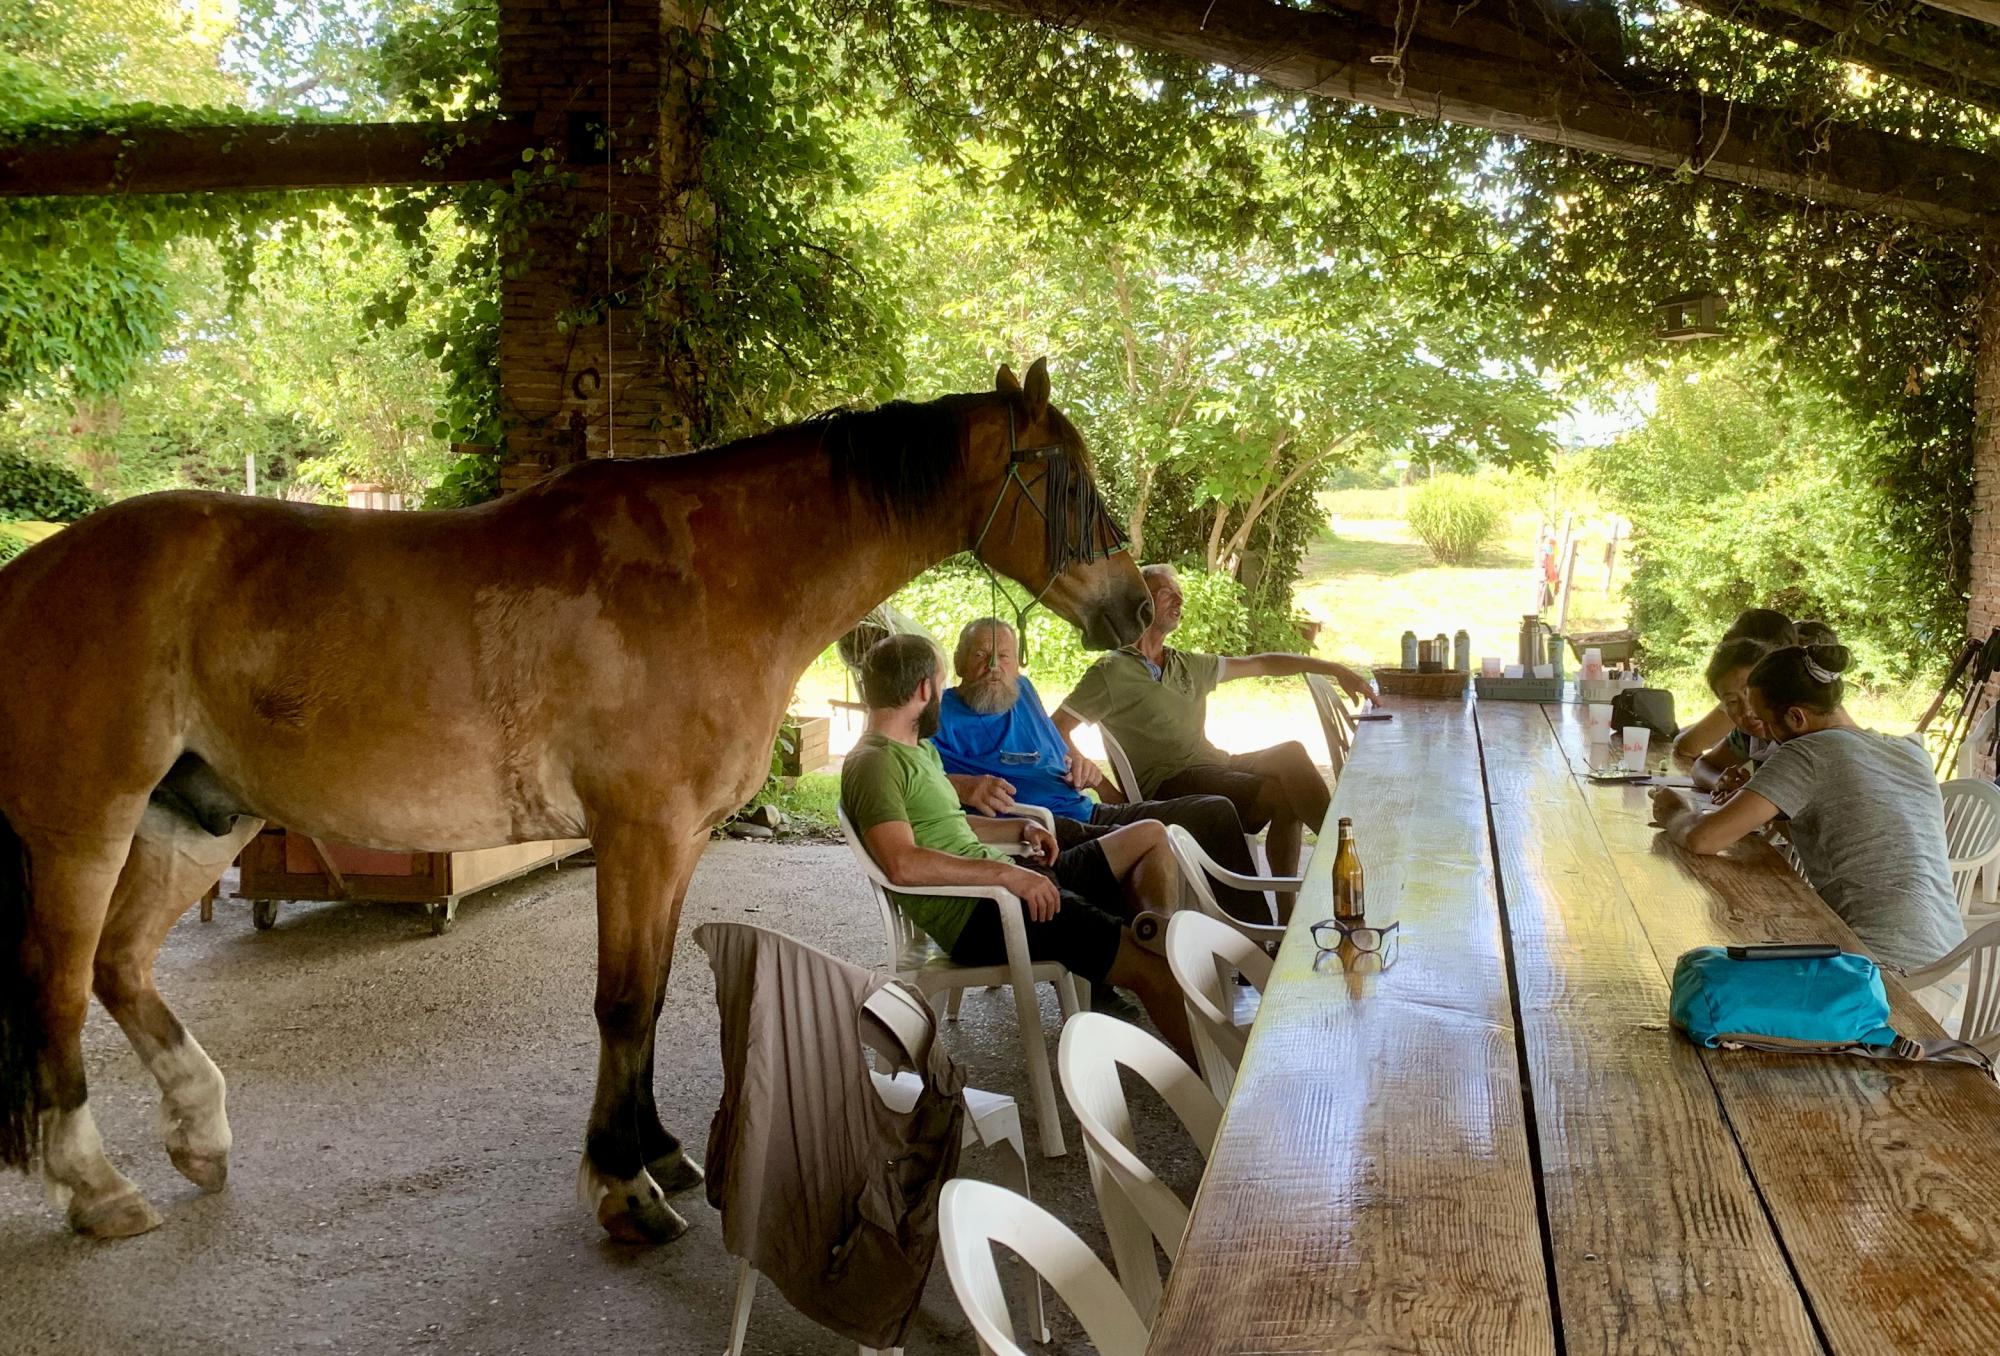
{"type": "Point", "coordinates": [1083, 938]}
{"type": "Point", "coordinates": [1235, 779]}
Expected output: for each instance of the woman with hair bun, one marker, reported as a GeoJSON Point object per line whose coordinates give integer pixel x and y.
{"type": "Point", "coordinates": [1755, 631]}
{"type": "Point", "coordinates": [1865, 814]}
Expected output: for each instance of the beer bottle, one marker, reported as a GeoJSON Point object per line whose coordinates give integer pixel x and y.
{"type": "Point", "coordinates": [1350, 901]}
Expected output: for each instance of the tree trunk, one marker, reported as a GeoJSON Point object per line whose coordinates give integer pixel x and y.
{"type": "Point", "coordinates": [1135, 525]}
{"type": "Point", "coordinates": [1983, 607]}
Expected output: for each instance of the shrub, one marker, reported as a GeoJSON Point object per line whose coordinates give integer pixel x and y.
{"type": "Point", "coordinates": [37, 491]}
{"type": "Point", "coordinates": [1456, 516]}
{"type": "Point", "coordinates": [1745, 490]}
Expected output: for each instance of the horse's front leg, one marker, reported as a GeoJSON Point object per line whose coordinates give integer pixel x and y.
{"type": "Point", "coordinates": [642, 876]}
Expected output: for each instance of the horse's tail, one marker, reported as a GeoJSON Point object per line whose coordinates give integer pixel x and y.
{"type": "Point", "coordinates": [20, 1027]}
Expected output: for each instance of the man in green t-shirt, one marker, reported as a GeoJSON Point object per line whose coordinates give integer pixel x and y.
{"type": "Point", "coordinates": [894, 790]}
{"type": "Point", "coordinates": [1154, 700]}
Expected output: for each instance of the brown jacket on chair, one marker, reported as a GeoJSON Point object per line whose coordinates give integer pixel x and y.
{"type": "Point", "coordinates": [822, 1187]}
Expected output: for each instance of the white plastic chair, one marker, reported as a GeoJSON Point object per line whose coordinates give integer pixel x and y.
{"type": "Point", "coordinates": [1336, 722]}
{"type": "Point", "coordinates": [913, 958]}
{"type": "Point", "coordinates": [1128, 782]}
{"type": "Point", "coordinates": [1198, 870]}
{"type": "Point", "coordinates": [1136, 1206]}
{"type": "Point", "coordinates": [1206, 955]}
{"type": "Point", "coordinates": [992, 1120]}
{"type": "Point", "coordinates": [973, 1216]}
{"type": "Point", "coordinates": [1972, 841]}
{"type": "Point", "coordinates": [1979, 1013]}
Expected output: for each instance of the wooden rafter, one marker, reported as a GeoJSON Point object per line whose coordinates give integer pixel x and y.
{"type": "Point", "coordinates": [262, 157]}
{"type": "Point", "coordinates": [1342, 56]}
{"type": "Point", "coordinates": [1986, 11]}
{"type": "Point", "coordinates": [1936, 51]}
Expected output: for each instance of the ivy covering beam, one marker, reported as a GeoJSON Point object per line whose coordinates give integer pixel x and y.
{"type": "Point", "coordinates": [263, 156]}
{"type": "Point", "coordinates": [1952, 56]}
{"type": "Point", "coordinates": [1331, 53]}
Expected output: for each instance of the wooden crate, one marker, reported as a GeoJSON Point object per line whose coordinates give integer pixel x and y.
{"type": "Point", "coordinates": [279, 864]}
{"type": "Point", "coordinates": [1411, 683]}
{"type": "Point", "coordinates": [815, 747]}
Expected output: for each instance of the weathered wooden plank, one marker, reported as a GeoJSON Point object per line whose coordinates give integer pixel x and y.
{"type": "Point", "coordinates": [1658, 1240]}
{"type": "Point", "coordinates": [1371, 1189]}
{"type": "Point", "coordinates": [260, 157]}
{"type": "Point", "coordinates": [1883, 1180]}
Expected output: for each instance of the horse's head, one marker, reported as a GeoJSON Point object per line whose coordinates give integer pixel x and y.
{"type": "Point", "coordinates": [1047, 527]}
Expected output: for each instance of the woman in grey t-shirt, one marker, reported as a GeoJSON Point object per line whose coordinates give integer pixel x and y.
{"type": "Point", "coordinates": [1865, 814]}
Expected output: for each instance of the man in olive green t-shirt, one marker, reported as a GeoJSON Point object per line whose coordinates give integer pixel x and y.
{"type": "Point", "coordinates": [895, 793]}
{"type": "Point", "coordinates": [1154, 700]}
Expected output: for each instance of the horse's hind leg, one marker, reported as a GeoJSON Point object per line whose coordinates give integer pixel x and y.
{"type": "Point", "coordinates": [172, 864]}
{"type": "Point", "coordinates": [73, 876]}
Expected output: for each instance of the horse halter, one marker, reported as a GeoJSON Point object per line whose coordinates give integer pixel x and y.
{"type": "Point", "coordinates": [1071, 508]}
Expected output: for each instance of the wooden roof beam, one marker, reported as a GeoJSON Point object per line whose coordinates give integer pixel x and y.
{"type": "Point", "coordinates": [1335, 55]}
{"type": "Point", "coordinates": [1986, 11]}
{"type": "Point", "coordinates": [1931, 50]}
{"type": "Point", "coordinates": [263, 157]}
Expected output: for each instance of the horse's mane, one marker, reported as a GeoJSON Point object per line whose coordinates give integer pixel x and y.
{"type": "Point", "coordinates": [904, 455]}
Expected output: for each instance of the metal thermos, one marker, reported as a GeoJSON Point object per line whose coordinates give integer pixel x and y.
{"type": "Point", "coordinates": [1410, 651]}
{"type": "Point", "coordinates": [1531, 643]}
{"type": "Point", "coordinates": [1461, 652]}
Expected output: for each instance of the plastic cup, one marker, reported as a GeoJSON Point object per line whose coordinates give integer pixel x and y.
{"type": "Point", "coordinates": [1600, 722]}
{"type": "Point", "coordinates": [1491, 666]}
{"type": "Point", "coordinates": [1635, 739]}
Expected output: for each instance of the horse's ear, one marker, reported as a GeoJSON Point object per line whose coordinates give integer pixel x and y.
{"type": "Point", "coordinates": [1005, 380]}
{"type": "Point", "coordinates": [1038, 390]}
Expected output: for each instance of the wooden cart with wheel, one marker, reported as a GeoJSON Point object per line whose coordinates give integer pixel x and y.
{"type": "Point", "coordinates": [279, 864]}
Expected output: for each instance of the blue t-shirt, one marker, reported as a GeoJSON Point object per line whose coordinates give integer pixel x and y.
{"type": "Point", "coordinates": [1020, 744]}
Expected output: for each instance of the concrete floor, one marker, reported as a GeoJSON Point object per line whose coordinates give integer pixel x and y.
{"type": "Point", "coordinates": [408, 1113]}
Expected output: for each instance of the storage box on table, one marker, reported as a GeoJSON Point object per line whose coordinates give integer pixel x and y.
{"type": "Point", "coordinates": [1518, 689]}
{"type": "Point", "coordinates": [1412, 683]}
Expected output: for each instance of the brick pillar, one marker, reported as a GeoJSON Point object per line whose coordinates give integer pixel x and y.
{"type": "Point", "coordinates": [1983, 608]}
{"type": "Point", "coordinates": [592, 361]}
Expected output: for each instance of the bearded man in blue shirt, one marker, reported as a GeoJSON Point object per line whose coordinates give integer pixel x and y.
{"type": "Point", "coordinates": [1000, 748]}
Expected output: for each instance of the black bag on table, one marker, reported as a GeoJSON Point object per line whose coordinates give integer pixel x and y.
{"type": "Point", "coordinates": [1651, 707]}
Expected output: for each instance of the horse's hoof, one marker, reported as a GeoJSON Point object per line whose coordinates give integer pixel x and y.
{"type": "Point", "coordinates": [124, 1215]}
{"type": "Point", "coordinates": [676, 1172]}
{"type": "Point", "coordinates": [210, 1172]}
{"type": "Point", "coordinates": [640, 1217]}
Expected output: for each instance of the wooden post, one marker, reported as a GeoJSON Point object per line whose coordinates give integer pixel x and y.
{"type": "Point", "coordinates": [1983, 605]}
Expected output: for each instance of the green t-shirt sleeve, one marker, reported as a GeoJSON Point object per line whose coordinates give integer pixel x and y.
{"type": "Point", "coordinates": [872, 791]}
{"type": "Point", "coordinates": [1087, 698]}
{"type": "Point", "coordinates": [1204, 670]}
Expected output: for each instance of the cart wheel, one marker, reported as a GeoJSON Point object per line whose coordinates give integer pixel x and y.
{"type": "Point", "coordinates": [264, 914]}
{"type": "Point", "coordinates": [442, 917]}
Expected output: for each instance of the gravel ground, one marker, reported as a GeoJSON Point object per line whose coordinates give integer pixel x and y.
{"type": "Point", "coordinates": [408, 1114]}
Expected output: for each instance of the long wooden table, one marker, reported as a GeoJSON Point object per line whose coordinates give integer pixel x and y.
{"type": "Point", "coordinates": [1497, 1144]}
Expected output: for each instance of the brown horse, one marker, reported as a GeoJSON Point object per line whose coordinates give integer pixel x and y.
{"type": "Point", "coordinates": [608, 653]}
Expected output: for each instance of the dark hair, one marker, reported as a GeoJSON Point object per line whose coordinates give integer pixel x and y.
{"type": "Point", "coordinates": [1731, 655]}
{"type": "Point", "coordinates": [1813, 632]}
{"type": "Point", "coordinates": [1802, 675]}
{"type": "Point", "coordinates": [1762, 623]}
{"type": "Point", "coordinates": [891, 672]}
